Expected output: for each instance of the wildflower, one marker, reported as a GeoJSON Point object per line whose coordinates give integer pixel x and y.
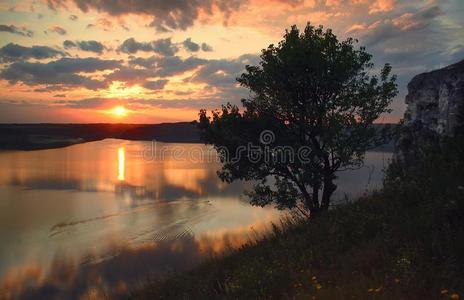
{"type": "Point", "coordinates": [397, 280]}
{"type": "Point", "coordinates": [314, 278]}
{"type": "Point", "coordinates": [318, 286]}
{"type": "Point", "coordinates": [370, 290]}
{"type": "Point", "coordinates": [444, 292]}
{"type": "Point", "coordinates": [378, 289]}
{"type": "Point", "coordinates": [455, 296]}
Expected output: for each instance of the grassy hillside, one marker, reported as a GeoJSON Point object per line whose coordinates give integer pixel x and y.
{"type": "Point", "coordinates": [403, 242]}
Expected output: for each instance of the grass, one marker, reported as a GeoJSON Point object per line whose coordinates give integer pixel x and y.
{"type": "Point", "coordinates": [403, 242]}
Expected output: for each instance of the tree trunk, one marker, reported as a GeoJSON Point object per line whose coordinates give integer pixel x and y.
{"type": "Point", "coordinates": [329, 188]}
{"type": "Point", "coordinates": [307, 198]}
{"type": "Point", "coordinates": [316, 196]}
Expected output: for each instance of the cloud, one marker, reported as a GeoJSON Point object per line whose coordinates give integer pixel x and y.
{"type": "Point", "coordinates": [90, 46]}
{"type": "Point", "coordinates": [219, 75]}
{"type": "Point", "coordinates": [95, 103]}
{"type": "Point", "coordinates": [421, 19]}
{"type": "Point", "coordinates": [104, 24]}
{"type": "Point", "coordinates": [175, 65]}
{"type": "Point", "coordinates": [56, 29]}
{"type": "Point", "coordinates": [166, 14]}
{"type": "Point", "coordinates": [223, 72]}
{"type": "Point", "coordinates": [14, 52]}
{"type": "Point", "coordinates": [67, 44]}
{"type": "Point", "coordinates": [88, 103]}
{"type": "Point", "coordinates": [62, 73]}
{"type": "Point", "coordinates": [16, 30]}
{"type": "Point", "coordinates": [153, 67]}
{"type": "Point", "coordinates": [383, 30]}
{"type": "Point", "coordinates": [73, 17]}
{"type": "Point", "coordinates": [380, 6]}
{"type": "Point", "coordinates": [147, 63]}
{"type": "Point", "coordinates": [131, 46]}
{"type": "Point", "coordinates": [191, 46]}
{"type": "Point", "coordinates": [131, 76]}
{"type": "Point", "coordinates": [205, 47]}
{"type": "Point", "coordinates": [155, 85]}
{"type": "Point", "coordinates": [163, 47]}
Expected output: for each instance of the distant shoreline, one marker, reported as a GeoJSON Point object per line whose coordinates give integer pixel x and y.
{"type": "Point", "coordinates": [41, 136]}
{"type": "Point", "coordinates": [49, 136]}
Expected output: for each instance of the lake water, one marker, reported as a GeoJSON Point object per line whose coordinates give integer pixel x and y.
{"type": "Point", "coordinates": [100, 217]}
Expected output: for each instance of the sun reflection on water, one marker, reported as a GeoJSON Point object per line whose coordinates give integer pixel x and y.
{"type": "Point", "coordinates": [121, 163]}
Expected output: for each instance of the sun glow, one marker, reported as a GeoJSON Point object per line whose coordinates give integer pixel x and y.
{"type": "Point", "coordinates": [119, 111]}
{"type": "Point", "coordinates": [118, 89]}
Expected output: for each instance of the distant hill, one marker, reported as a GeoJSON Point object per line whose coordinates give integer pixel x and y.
{"type": "Point", "coordinates": [43, 136]}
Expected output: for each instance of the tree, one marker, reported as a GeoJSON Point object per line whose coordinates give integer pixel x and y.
{"type": "Point", "coordinates": [310, 92]}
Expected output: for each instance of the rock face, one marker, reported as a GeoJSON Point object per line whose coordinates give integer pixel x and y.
{"type": "Point", "coordinates": [435, 109]}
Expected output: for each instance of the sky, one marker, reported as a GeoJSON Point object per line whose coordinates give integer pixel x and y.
{"type": "Point", "coordinates": [142, 61]}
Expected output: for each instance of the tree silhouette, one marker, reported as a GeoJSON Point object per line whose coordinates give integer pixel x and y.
{"type": "Point", "coordinates": [309, 92]}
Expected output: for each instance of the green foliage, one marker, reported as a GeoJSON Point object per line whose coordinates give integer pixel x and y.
{"type": "Point", "coordinates": [311, 91]}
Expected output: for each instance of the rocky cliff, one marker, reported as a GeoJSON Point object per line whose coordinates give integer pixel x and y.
{"type": "Point", "coordinates": [435, 109]}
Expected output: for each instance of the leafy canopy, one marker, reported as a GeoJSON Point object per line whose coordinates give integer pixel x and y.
{"type": "Point", "coordinates": [310, 92]}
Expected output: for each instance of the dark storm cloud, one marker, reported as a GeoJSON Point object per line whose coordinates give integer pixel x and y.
{"type": "Point", "coordinates": [179, 14]}
{"type": "Point", "coordinates": [90, 46]}
{"type": "Point", "coordinates": [62, 72]}
{"type": "Point", "coordinates": [16, 30]}
{"type": "Point", "coordinates": [162, 46]}
{"type": "Point", "coordinates": [14, 52]}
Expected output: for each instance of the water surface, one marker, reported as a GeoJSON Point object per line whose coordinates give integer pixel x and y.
{"type": "Point", "coordinates": [98, 217]}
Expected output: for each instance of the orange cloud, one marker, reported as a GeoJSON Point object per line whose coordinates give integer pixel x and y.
{"type": "Point", "coordinates": [381, 6]}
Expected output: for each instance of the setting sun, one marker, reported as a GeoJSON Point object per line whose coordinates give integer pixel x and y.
{"type": "Point", "coordinates": [119, 111]}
